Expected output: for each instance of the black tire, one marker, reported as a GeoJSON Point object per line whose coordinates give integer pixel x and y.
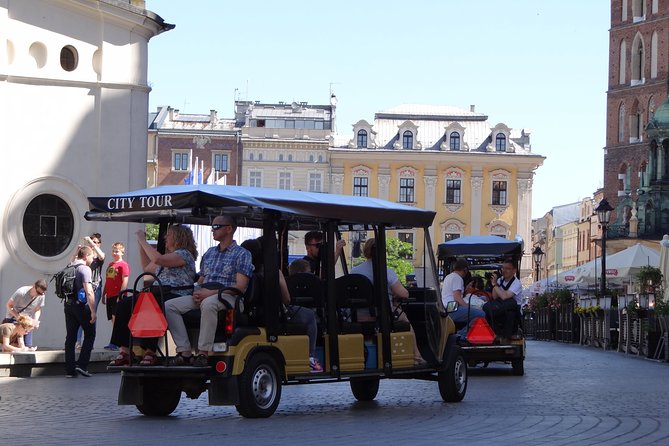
{"type": "Point", "coordinates": [518, 367]}
{"type": "Point", "coordinates": [365, 389]}
{"type": "Point", "coordinates": [259, 387]}
{"type": "Point", "coordinates": [453, 380]}
{"type": "Point", "coordinates": [160, 396]}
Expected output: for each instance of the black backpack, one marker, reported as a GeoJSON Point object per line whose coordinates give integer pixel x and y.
{"type": "Point", "coordinates": [64, 281]}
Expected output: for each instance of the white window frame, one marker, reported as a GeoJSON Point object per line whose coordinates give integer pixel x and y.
{"type": "Point", "coordinates": [181, 152]}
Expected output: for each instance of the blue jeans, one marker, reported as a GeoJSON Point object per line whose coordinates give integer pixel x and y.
{"type": "Point", "coordinates": [461, 315]}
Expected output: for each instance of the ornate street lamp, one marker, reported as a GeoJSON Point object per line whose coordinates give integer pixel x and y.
{"type": "Point", "coordinates": [537, 254]}
{"type": "Point", "coordinates": [604, 215]}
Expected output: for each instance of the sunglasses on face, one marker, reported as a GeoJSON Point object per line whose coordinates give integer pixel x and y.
{"type": "Point", "coordinates": [217, 226]}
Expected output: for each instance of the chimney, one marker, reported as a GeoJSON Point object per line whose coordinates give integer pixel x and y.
{"type": "Point", "coordinates": [212, 117]}
{"type": "Point", "coordinates": [472, 108]}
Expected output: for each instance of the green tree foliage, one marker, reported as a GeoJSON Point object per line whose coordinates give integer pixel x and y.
{"type": "Point", "coordinates": [397, 253]}
{"type": "Point", "coordinates": [151, 231]}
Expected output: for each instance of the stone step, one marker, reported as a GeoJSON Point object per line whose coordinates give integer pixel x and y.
{"type": "Point", "coordinates": [48, 362]}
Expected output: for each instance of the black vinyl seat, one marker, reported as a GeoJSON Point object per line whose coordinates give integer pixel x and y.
{"type": "Point", "coordinates": [355, 292]}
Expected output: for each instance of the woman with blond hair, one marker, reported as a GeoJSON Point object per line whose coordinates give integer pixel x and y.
{"type": "Point", "coordinates": [176, 271]}
{"type": "Point", "coordinates": [12, 334]}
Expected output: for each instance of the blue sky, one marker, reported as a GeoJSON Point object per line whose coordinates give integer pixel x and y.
{"type": "Point", "coordinates": [535, 64]}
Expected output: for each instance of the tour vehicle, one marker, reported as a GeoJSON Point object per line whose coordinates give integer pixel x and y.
{"type": "Point", "coordinates": [257, 349]}
{"type": "Point", "coordinates": [484, 255]}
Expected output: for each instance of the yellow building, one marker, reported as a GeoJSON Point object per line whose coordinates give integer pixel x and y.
{"type": "Point", "coordinates": [476, 177]}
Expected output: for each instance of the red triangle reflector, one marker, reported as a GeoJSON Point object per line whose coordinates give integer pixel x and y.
{"type": "Point", "coordinates": [147, 320]}
{"type": "Point", "coordinates": [480, 332]}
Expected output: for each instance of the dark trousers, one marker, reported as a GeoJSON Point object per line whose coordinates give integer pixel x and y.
{"type": "Point", "coordinates": [120, 331]}
{"type": "Point", "coordinates": [501, 315]}
{"type": "Point", "coordinates": [78, 315]}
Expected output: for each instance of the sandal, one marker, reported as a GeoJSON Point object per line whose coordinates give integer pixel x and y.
{"type": "Point", "coordinates": [149, 359]}
{"type": "Point", "coordinates": [419, 362]}
{"type": "Point", "coordinates": [180, 360]}
{"type": "Point", "coordinates": [122, 359]}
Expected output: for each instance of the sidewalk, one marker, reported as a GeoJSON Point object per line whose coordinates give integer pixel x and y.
{"type": "Point", "coordinates": [48, 362]}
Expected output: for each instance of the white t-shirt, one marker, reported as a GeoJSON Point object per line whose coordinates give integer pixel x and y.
{"type": "Point", "coordinates": [453, 282]}
{"type": "Point", "coordinates": [516, 288]}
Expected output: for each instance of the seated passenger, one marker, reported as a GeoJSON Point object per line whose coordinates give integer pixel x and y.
{"type": "Point", "coordinates": [298, 266]}
{"type": "Point", "coordinates": [452, 290]}
{"type": "Point", "coordinates": [229, 266]}
{"type": "Point", "coordinates": [300, 315]}
{"type": "Point", "coordinates": [12, 334]}
{"type": "Point", "coordinates": [312, 242]}
{"type": "Point", "coordinates": [175, 269]}
{"type": "Point", "coordinates": [396, 290]}
{"type": "Point", "coordinates": [475, 294]}
{"type": "Point", "coordinates": [503, 311]}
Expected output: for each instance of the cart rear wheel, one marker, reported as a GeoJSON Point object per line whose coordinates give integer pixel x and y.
{"type": "Point", "coordinates": [260, 387]}
{"type": "Point", "coordinates": [518, 367]}
{"type": "Point", "coordinates": [365, 389]}
{"type": "Point", "coordinates": [160, 397]}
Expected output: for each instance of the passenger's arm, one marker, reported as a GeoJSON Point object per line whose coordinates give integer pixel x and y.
{"type": "Point", "coordinates": [285, 294]}
{"type": "Point", "coordinates": [457, 296]}
{"type": "Point", "coordinates": [398, 291]}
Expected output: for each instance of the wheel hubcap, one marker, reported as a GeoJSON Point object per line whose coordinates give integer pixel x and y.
{"type": "Point", "coordinates": [264, 387]}
{"type": "Point", "coordinates": [460, 374]}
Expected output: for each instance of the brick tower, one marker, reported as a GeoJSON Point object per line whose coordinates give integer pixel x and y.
{"type": "Point", "coordinates": [638, 85]}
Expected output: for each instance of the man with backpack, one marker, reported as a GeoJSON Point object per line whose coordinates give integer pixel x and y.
{"type": "Point", "coordinates": [80, 312]}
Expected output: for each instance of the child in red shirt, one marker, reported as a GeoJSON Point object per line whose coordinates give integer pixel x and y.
{"type": "Point", "coordinates": [116, 280]}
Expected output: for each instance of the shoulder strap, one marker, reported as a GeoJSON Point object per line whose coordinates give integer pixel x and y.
{"type": "Point", "coordinates": [31, 301]}
{"type": "Point", "coordinates": [506, 287]}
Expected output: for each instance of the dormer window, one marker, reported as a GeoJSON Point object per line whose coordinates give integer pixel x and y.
{"type": "Point", "coordinates": [362, 139]}
{"type": "Point", "coordinates": [407, 140]}
{"type": "Point", "coordinates": [454, 143]}
{"type": "Point", "coordinates": [500, 142]}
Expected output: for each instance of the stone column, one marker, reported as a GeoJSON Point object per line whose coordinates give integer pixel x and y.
{"type": "Point", "coordinates": [475, 213]}
{"type": "Point", "coordinates": [384, 181]}
{"type": "Point", "coordinates": [430, 192]}
{"type": "Point", "coordinates": [524, 219]}
{"type": "Point", "coordinates": [337, 183]}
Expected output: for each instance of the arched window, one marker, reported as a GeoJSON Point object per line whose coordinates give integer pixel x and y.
{"type": "Point", "coordinates": [622, 62]}
{"type": "Point", "coordinates": [500, 142]}
{"type": "Point", "coordinates": [280, 156]}
{"type": "Point", "coordinates": [454, 142]}
{"type": "Point", "coordinates": [653, 55]}
{"type": "Point", "coordinates": [362, 139]}
{"type": "Point", "coordinates": [638, 55]}
{"type": "Point", "coordinates": [621, 123]}
{"type": "Point", "coordinates": [250, 156]}
{"type": "Point", "coordinates": [407, 140]}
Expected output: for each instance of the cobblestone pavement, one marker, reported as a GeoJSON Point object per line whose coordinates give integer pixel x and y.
{"type": "Point", "coordinates": [569, 395]}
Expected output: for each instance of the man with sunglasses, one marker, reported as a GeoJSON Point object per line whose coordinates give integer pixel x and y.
{"type": "Point", "coordinates": [312, 242]}
{"type": "Point", "coordinates": [227, 265]}
{"type": "Point", "coordinates": [27, 300]}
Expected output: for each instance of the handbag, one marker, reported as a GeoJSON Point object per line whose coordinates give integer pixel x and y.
{"type": "Point", "coordinates": [9, 320]}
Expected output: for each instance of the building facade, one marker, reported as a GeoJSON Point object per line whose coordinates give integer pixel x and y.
{"type": "Point", "coordinates": [638, 85]}
{"type": "Point", "coordinates": [74, 95]}
{"type": "Point", "coordinates": [181, 145]}
{"type": "Point", "coordinates": [477, 177]}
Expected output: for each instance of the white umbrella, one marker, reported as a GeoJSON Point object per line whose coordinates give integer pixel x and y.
{"type": "Point", "coordinates": [664, 263]}
{"type": "Point", "coordinates": [621, 266]}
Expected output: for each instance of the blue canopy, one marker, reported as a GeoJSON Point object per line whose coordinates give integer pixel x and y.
{"type": "Point", "coordinates": [199, 204]}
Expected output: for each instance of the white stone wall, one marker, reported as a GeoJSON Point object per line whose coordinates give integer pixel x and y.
{"type": "Point", "coordinates": [72, 134]}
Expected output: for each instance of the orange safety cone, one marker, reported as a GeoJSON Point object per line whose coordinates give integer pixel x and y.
{"type": "Point", "coordinates": [147, 320]}
{"type": "Point", "coordinates": [480, 333]}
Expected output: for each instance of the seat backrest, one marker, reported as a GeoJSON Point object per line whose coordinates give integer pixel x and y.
{"type": "Point", "coordinates": [253, 300]}
{"type": "Point", "coordinates": [306, 290]}
{"type": "Point", "coordinates": [354, 291]}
